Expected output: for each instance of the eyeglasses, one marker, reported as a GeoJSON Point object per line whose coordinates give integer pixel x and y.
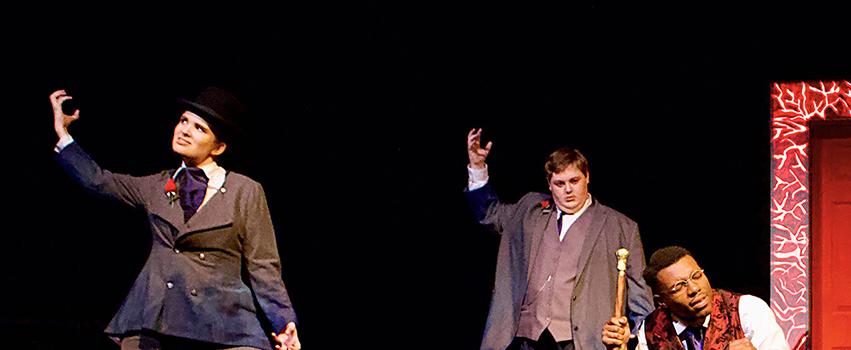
{"type": "Point", "coordinates": [682, 284]}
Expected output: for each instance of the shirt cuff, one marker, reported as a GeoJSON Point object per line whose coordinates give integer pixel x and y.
{"type": "Point", "coordinates": [477, 178]}
{"type": "Point", "coordinates": [63, 142]}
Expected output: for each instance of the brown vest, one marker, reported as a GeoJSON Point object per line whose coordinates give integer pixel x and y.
{"type": "Point", "coordinates": [724, 325]}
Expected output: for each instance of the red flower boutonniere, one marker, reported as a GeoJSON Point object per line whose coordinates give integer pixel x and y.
{"type": "Point", "coordinates": [546, 206]}
{"type": "Point", "coordinates": [171, 191]}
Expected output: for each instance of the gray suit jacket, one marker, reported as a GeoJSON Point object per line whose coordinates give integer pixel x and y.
{"type": "Point", "coordinates": [521, 226]}
{"type": "Point", "coordinates": [215, 278]}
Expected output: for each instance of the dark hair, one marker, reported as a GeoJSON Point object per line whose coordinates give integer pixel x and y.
{"type": "Point", "coordinates": [564, 157]}
{"type": "Point", "coordinates": [661, 259]}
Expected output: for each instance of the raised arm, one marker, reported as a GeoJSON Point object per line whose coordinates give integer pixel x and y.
{"type": "Point", "coordinates": [480, 196]}
{"type": "Point", "coordinates": [486, 206]}
{"type": "Point", "coordinates": [82, 168]}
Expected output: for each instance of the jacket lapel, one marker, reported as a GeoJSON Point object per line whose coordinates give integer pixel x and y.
{"type": "Point", "coordinates": [598, 220]}
{"type": "Point", "coordinates": [544, 225]}
{"type": "Point", "coordinates": [171, 213]}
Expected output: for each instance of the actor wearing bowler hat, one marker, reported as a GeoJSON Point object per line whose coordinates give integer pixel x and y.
{"type": "Point", "coordinates": [213, 276]}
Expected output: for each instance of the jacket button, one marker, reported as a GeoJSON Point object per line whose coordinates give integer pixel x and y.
{"type": "Point", "coordinates": [223, 190]}
{"type": "Point", "coordinates": [201, 256]}
{"type": "Point", "coordinates": [193, 292]}
{"type": "Point", "coordinates": [574, 297]}
{"type": "Point", "coordinates": [176, 251]}
{"type": "Point", "coordinates": [169, 285]}
{"type": "Point", "coordinates": [575, 328]}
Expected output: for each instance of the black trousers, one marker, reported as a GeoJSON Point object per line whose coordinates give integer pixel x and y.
{"type": "Point", "coordinates": [156, 341]}
{"type": "Point", "coordinates": [544, 342]}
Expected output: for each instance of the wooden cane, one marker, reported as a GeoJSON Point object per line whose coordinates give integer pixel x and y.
{"type": "Point", "coordinates": [619, 301]}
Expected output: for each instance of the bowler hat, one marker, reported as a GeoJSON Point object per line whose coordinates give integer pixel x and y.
{"type": "Point", "coordinates": [220, 109]}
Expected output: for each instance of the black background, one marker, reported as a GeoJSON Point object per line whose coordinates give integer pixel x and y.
{"type": "Point", "coordinates": [359, 114]}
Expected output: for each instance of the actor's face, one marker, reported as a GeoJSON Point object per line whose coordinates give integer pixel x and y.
{"type": "Point", "coordinates": [194, 141]}
{"type": "Point", "coordinates": [684, 289]}
{"type": "Point", "coordinates": [570, 189]}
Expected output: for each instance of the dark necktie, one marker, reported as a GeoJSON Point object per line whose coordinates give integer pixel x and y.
{"type": "Point", "coordinates": [192, 183]}
{"type": "Point", "coordinates": [560, 220]}
{"type": "Point", "coordinates": [693, 337]}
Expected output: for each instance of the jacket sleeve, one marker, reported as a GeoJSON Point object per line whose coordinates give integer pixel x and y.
{"type": "Point", "coordinates": [639, 296]}
{"type": "Point", "coordinates": [86, 172]}
{"type": "Point", "coordinates": [488, 210]}
{"type": "Point", "coordinates": [260, 254]}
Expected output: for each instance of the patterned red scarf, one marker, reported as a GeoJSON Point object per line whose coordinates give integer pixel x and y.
{"type": "Point", "coordinates": [724, 325]}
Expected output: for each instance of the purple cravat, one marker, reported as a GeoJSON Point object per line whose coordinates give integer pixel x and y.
{"type": "Point", "coordinates": [192, 184]}
{"type": "Point", "coordinates": [693, 337]}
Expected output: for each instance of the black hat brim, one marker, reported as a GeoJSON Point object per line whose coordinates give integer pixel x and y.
{"type": "Point", "coordinates": [222, 128]}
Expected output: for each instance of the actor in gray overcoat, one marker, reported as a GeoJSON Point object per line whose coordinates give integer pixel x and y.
{"type": "Point", "coordinates": [556, 273]}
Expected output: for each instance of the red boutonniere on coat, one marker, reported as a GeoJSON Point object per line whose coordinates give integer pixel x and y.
{"type": "Point", "coordinates": [171, 191]}
{"type": "Point", "coordinates": [546, 206]}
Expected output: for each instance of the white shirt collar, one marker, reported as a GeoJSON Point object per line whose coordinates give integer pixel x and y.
{"type": "Point", "coordinates": [208, 168]}
{"type": "Point", "coordinates": [215, 175]}
{"type": "Point", "coordinates": [680, 326]}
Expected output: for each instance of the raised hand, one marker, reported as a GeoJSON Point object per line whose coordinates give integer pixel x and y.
{"type": "Point", "coordinates": [475, 151]}
{"type": "Point", "coordinates": [60, 119]}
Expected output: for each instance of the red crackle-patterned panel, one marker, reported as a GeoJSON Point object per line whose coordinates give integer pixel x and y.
{"type": "Point", "coordinates": [793, 105]}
